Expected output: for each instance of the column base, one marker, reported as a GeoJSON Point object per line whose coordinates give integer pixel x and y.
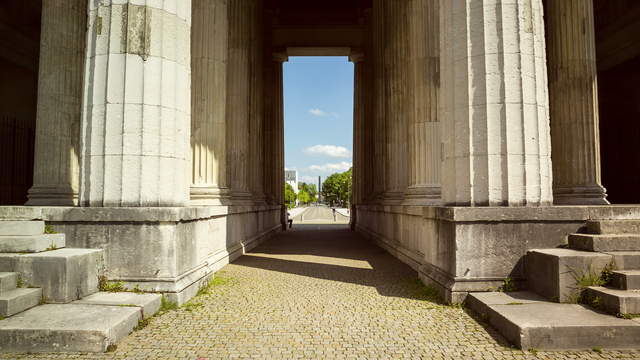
{"type": "Point", "coordinates": [423, 195]}
{"type": "Point", "coordinates": [208, 195]}
{"type": "Point", "coordinates": [580, 195]}
{"type": "Point", "coordinates": [40, 195]}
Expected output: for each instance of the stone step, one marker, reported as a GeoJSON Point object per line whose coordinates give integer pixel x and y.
{"type": "Point", "coordinates": [64, 275]}
{"type": "Point", "coordinates": [149, 304]}
{"type": "Point", "coordinates": [31, 243]}
{"type": "Point", "coordinates": [67, 328]}
{"type": "Point", "coordinates": [618, 242]}
{"type": "Point", "coordinates": [17, 300]}
{"type": "Point", "coordinates": [626, 279]}
{"type": "Point", "coordinates": [8, 227]}
{"type": "Point", "coordinates": [613, 227]}
{"type": "Point", "coordinates": [8, 281]}
{"type": "Point", "coordinates": [625, 260]}
{"type": "Point", "coordinates": [553, 273]}
{"type": "Point", "coordinates": [616, 301]}
{"type": "Point", "coordinates": [529, 323]}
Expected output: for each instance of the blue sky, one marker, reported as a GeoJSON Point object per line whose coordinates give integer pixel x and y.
{"type": "Point", "coordinates": [318, 116]}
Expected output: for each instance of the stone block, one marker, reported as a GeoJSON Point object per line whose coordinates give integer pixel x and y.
{"type": "Point", "coordinates": [20, 213]}
{"type": "Point", "coordinates": [149, 304]}
{"type": "Point", "coordinates": [553, 273]}
{"type": "Point", "coordinates": [17, 300]}
{"type": "Point", "coordinates": [67, 328]}
{"type": "Point", "coordinates": [614, 227]}
{"type": "Point", "coordinates": [616, 301]}
{"type": "Point", "coordinates": [31, 243]}
{"type": "Point", "coordinates": [8, 281]}
{"type": "Point", "coordinates": [8, 227]}
{"type": "Point", "coordinates": [551, 326]}
{"type": "Point", "coordinates": [592, 242]}
{"type": "Point", "coordinates": [64, 275]}
{"type": "Point", "coordinates": [625, 260]}
{"type": "Point", "coordinates": [626, 279]}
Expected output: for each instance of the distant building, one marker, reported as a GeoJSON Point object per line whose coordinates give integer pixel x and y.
{"type": "Point", "coordinates": [291, 178]}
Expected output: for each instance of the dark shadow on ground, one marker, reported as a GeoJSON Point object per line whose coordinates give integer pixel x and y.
{"type": "Point", "coordinates": [333, 252]}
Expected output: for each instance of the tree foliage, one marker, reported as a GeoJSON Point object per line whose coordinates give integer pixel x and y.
{"type": "Point", "coordinates": [307, 193]}
{"type": "Point", "coordinates": [289, 196]}
{"type": "Point", "coordinates": [336, 189]}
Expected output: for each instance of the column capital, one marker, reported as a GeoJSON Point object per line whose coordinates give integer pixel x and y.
{"type": "Point", "coordinates": [280, 57]}
{"type": "Point", "coordinates": [356, 56]}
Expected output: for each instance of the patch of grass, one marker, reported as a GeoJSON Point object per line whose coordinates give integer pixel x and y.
{"type": "Point", "coordinates": [515, 303]}
{"type": "Point", "coordinates": [533, 351]}
{"type": "Point", "coordinates": [110, 286]}
{"type": "Point", "coordinates": [20, 283]}
{"type": "Point", "coordinates": [597, 349]}
{"type": "Point", "coordinates": [136, 289]}
{"type": "Point", "coordinates": [2, 317]}
{"type": "Point", "coordinates": [48, 229]}
{"type": "Point", "coordinates": [127, 305]}
{"type": "Point", "coordinates": [142, 323]}
{"type": "Point", "coordinates": [628, 316]}
{"type": "Point", "coordinates": [166, 305]}
{"type": "Point", "coordinates": [420, 291]}
{"type": "Point", "coordinates": [52, 247]}
{"type": "Point", "coordinates": [216, 280]}
{"type": "Point", "coordinates": [587, 279]}
{"type": "Point", "coordinates": [190, 306]}
{"type": "Point", "coordinates": [43, 300]}
{"type": "Point", "coordinates": [508, 285]}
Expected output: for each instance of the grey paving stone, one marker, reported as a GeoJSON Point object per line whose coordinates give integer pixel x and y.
{"type": "Point", "coordinates": [148, 303]}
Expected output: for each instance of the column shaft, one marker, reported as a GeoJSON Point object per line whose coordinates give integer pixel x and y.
{"type": "Point", "coordinates": [208, 106]}
{"type": "Point", "coordinates": [136, 120]}
{"type": "Point", "coordinates": [573, 90]}
{"type": "Point", "coordinates": [256, 106]}
{"type": "Point", "coordinates": [359, 88]}
{"type": "Point", "coordinates": [424, 132]}
{"type": "Point", "coordinates": [494, 103]}
{"type": "Point", "coordinates": [379, 99]}
{"type": "Point", "coordinates": [62, 52]}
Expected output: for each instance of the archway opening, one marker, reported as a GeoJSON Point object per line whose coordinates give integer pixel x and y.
{"type": "Point", "coordinates": [318, 111]}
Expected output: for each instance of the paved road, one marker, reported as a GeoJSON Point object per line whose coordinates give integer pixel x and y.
{"type": "Point", "coordinates": [320, 215]}
{"type": "Point", "coordinates": [320, 292]}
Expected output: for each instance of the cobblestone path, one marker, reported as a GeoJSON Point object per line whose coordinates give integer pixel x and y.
{"type": "Point", "coordinates": [318, 292]}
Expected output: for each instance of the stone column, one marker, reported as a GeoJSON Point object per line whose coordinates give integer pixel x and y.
{"type": "Point", "coordinates": [573, 89]}
{"type": "Point", "coordinates": [256, 106]}
{"type": "Point", "coordinates": [494, 103]}
{"type": "Point", "coordinates": [399, 102]}
{"type": "Point", "coordinates": [359, 88]}
{"type": "Point", "coordinates": [241, 17]}
{"type": "Point", "coordinates": [276, 113]}
{"type": "Point", "coordinates": [136, 120]}
{"type": "Point", "coordinates": [424, 132]}
{"type": "Point", "coordinates": [62, 52]}
{"type": "Point", "coordinates": [208, 106]}
{"type": "Point", "coordinates": [379, 100]}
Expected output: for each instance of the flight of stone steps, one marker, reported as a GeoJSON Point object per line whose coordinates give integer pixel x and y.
{"type": "Point", "coordinates": [49, 298]}
{"type": "Point", "coordinates": [584, 296]}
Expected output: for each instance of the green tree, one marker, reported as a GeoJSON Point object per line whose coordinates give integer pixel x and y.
{"type": "Point", "coordinates": [289, 196]}
{"type": "Point", "coordinates": [336, 189]}
{"type": "Point", "coordinates": [307, 193]}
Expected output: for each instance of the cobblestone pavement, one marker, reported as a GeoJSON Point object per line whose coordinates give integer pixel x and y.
{"type": "Point", "coordinates": [318, 292]}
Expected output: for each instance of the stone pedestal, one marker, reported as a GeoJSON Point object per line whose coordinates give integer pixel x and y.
{"type": "Point", "coordinates": [136, 120]}
{"type": "Point", "coordinates": [494, 103]}
{"type": "Point", "coordinates": [57, 153]}
{"type": "Point", "coordinates": [573, 89]}
{"type": "Point", "coordinates": [210, 34]}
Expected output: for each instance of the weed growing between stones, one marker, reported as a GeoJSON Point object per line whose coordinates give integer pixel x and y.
{"type": "Point", "coordinates": [52, 247]}
{"type": "Point", "coordinates": [627, 316]}
{"type": "Point", "coordinates": [533, 351]}
{"type": "Point", "coordinates": [420, 291]}
{"type": "Point", "coordinates": [166, 305]}
{"type": "Point", "coordinates": [515, 303]}
{"type": "Point", "coordinates": [110, 286]}
{"type": "Point", "coordinates": [142, 323]}
{"type": "Point", "coordinates": [48, 229]}
{"type": "Point", "coordinates": [2, 317]}
{"type": "Point", "coordinates": [508, 285]}
{"type": "Point", "coordinates": [20, 283]}
{"type": "Point", "coordinates": [587, 279]}
{"type": "Point", "coordinates": [597, 349]}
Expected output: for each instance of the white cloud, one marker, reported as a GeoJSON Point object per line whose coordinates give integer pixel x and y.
{"type": "Point", "coordinates": [328, 150]}
{"type": "Point", "coordinates": [330, 167]}
{"type": "Point", "coordinates": [308, 179]}
{"type": "Point", "coordinates": [317, 112]}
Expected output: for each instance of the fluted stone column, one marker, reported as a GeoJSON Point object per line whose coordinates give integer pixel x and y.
{"type": "Point", "coordinates": [359, 88]}
{"type": "Point", "coordinates": [208, 106]}
{"type": "Point", "coordinates": [399, 102]}
{"type": "Point", "coordinates": [256, 105]}
{"type": "Point", "coordinates": [136, 121]}
{"type": "Point", "coordinates": [573, 90]}
{"type": "Point", "coordinates": [276, 115]}
{"type": "Point", "coordinates": [379, 100]}
{"type": "Point", "coordinates": [57, 152]}
{"type": "Point", "coordinates": [241, 17]}
{"type": "Point", "coordinates": [494, 103]}
{"type": "Point", "coordinates": [424, 132]}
